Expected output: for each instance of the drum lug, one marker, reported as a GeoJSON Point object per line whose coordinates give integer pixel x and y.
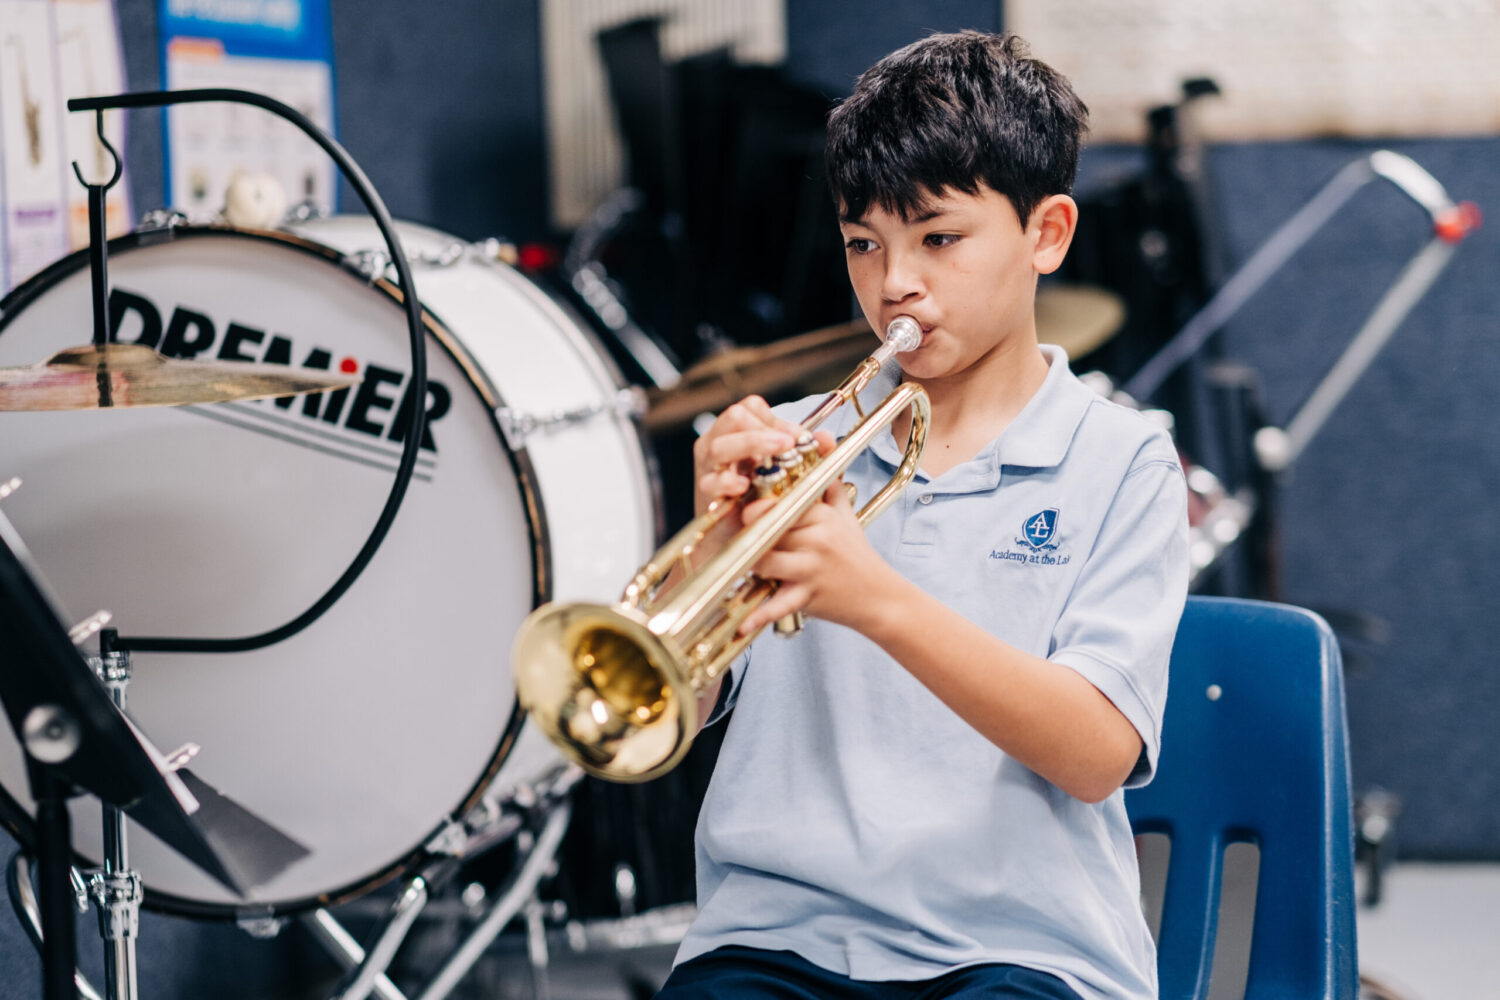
{"type": "Point", "coordinates": [89, 627]}
{"type": "Point", "coordinates": [449, 840]}
{"type": "Point", "coordinates": [182, 756]}
{"type": "Point", "coordinates": [159, 219]}
{"type": "Point", "coordinates": [306, 210]}
{"type": "Point", "coordinates": [629, 403]}
{"type": "Point", "coordinates": [259, 923]}
{"type": "Point", "coordinates": [374, 263]}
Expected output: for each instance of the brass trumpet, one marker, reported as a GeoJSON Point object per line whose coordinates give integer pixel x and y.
{"type": "Point", "coordinates": [616, 687]}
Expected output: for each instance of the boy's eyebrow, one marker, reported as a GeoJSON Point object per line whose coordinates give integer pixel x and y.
{"type": "Point", "coordinates": [915, 220]}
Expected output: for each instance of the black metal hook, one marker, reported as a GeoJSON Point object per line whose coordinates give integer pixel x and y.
{"type": "Point", "coordinates": [119, 164]}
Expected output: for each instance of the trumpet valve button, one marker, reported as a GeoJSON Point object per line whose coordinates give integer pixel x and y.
{"type": "Point", "coordinates": [770, 481]}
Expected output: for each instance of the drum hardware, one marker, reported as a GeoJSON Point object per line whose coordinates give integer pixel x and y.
{"type": "Point", "coordinates": [664, 925]}
{"type": "Point", "coordinates": [538, 850]}
{"type": "Point", "coordinates": [161, 219]}
{"type": "Point", "coordinates": [627, 404]}
{"type": "Point", "coordinates": [90, 626]}
{"type": "Point", "coordinates": [616, 687]}
{"type": "Point", "coordinates": [375, 264]}
{"type": "Point", "coordinates": [600, 294]}
{"type": "Point", "coordinates": [306, 210]}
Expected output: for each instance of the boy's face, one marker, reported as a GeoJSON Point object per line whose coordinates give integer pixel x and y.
{"type": "Point", "coordinates": [965, 269]}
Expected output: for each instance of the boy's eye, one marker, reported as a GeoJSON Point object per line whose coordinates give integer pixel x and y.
{"type": "Point", "coordinates": [941, 239]}
{"type": "Point", "coordinates": [858, 244]}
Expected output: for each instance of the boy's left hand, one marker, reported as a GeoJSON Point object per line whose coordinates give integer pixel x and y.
{"type": "Point", "coordinates": [823, 563]}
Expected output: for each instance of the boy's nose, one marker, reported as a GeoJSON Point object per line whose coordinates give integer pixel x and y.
{"type": "Point", "coordinates": [902, 279]}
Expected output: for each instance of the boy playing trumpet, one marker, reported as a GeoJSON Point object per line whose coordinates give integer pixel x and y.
{"type": "Point", "coordinates": [920, 796]}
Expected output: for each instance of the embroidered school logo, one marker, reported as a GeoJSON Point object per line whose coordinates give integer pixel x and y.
{"type": "Point", "coordinates": [1039, 528]}
{"type": "Point", "coordinates": [1038, 544]}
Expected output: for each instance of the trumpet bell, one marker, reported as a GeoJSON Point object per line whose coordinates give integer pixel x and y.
{"type": "Point", "coordinates": [602, 687]}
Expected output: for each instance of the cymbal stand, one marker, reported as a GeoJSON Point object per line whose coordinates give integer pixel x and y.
{"type": "Point", "coordinates": [365, 968]}
{"type": "Point", "coordinates": [115, 888]}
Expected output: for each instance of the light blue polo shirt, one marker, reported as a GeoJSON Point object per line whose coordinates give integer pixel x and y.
{"type": "Point", "coordinates": [857, 821]}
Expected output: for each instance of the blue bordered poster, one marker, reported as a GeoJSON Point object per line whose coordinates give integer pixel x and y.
{"type": "Point", "coordinates": [281, 48]}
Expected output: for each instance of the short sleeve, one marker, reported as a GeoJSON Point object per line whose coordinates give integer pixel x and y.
{"type": "Point", "coordinates": [1118, 625]}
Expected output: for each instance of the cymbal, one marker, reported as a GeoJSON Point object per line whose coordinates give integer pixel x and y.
{"type": "Point", "coordinates": [94, 377]}
{"type": "Point", "coordinates": [802, 364]}
{"type": "Point", "coordinates": [1077, 318]}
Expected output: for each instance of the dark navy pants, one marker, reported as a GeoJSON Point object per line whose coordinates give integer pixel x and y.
{"type": "Point", "coordinates": [736, 973]}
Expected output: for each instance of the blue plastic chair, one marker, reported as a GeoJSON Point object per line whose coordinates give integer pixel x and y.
{"type": "Point", "coordinates": [1255, 749]}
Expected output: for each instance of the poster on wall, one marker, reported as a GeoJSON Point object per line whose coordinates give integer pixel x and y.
{"type": "Point", "coordinates": [280, 48]}
{"type": "Point", "coordinates": [50, 51]}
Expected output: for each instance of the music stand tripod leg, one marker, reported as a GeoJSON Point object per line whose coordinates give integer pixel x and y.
{"type": "Point", "coordinates": [24, 901]}
{"type": "Point", "coordinates": [54, 857]}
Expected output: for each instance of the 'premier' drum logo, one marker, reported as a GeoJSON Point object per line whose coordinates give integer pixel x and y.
{"type": "Point", "coordinates": [377, 407]}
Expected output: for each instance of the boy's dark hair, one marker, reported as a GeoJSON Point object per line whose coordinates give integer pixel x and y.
{"type": "Point", "coordinates": [952, 111]}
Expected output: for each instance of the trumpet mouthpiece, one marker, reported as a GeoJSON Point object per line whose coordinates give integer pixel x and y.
{"type": "Point", "coordinates": [904, 334]}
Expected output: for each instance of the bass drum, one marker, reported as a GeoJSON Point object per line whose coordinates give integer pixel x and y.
{"type": "Point", "coordinates": [395, 711]}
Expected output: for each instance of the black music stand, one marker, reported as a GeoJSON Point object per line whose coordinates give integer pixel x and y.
{"type": "Point", "coordinates": [76, 741]}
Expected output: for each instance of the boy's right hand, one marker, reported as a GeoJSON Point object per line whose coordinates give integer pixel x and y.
{"type": "Point", "coordinates": [724, 458]}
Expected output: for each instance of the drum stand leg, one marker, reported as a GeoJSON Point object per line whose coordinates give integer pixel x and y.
{"type": "Point", "coordinates": [520, 889]}
{"type": "Point", "coordinates": [345, 949]}
{"type": "Point", "coordinates": [536, 947]}
{"type": "Point", "coordinates": [366, 969]}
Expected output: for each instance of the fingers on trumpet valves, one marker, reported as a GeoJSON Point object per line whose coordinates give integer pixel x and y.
{"type": "Point", "coordinates": [775, 473]}
{"type": "Point", "coordinates": [771, 480]}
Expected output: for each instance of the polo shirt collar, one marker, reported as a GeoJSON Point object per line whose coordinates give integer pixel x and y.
{"type": "Point", "coordinates": [1037, 438]}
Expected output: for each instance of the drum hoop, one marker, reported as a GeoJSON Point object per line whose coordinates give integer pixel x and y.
{"type": "Point", "coordinates": [19, 822]}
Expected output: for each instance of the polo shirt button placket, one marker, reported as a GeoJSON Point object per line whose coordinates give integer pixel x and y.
{"type": "Point", "coordinates": [925, 498]}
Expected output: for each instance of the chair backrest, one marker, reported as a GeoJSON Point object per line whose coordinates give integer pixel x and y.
{"type": "Point", "coordinates": [1254, 749]}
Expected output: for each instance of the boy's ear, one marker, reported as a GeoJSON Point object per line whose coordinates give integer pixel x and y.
{"type": "Point", "coordinates": [1055, 221]}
